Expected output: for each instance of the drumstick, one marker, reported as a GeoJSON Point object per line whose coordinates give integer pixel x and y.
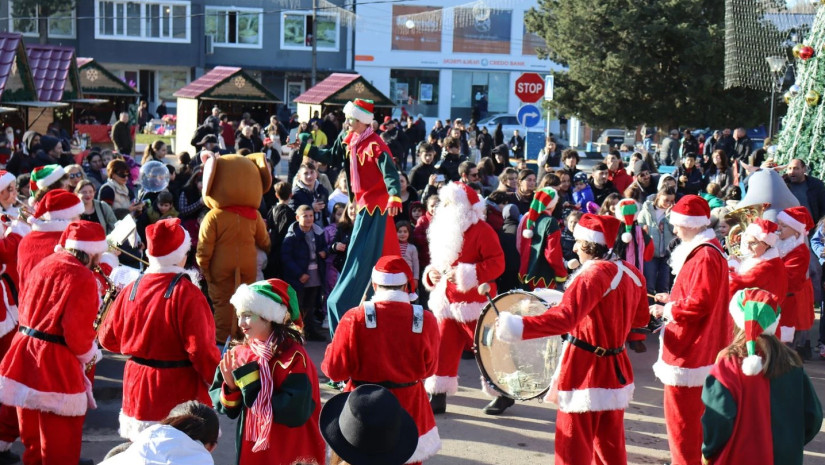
{"type": "Point", "coordinates": [484, 288]}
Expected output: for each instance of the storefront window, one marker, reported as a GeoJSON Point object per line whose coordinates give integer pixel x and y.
{"type": "Point", "coordinates": [471, 88]}
{"type": "Point", "coordinates": [168, 83]}
{"type": "Point", "coordinates": [415, 90]}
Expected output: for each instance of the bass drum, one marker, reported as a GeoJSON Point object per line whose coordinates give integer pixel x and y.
{"type": "Point", "coordinates": [521, 370]}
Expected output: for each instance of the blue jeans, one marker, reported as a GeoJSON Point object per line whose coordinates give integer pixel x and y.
{"type": "Point", "coordinates": [657, 275]}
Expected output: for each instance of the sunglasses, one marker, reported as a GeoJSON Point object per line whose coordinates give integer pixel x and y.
{"type": "Point", "coordinates": [75, 175]}
{"type": "Point", "coordinates": [122, 174]}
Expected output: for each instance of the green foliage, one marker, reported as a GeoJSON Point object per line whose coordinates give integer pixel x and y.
{"type": "Point", "coordinates": [631, 62]}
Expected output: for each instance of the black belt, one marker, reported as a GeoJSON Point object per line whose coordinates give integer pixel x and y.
{"type": "Point", "coordinates": [599, 351]}
{"type": "Point", "coordinates": [385, 384]}
{"type": "Point", "coordinates": [42, 336]}
{"type": "Point", "coordinates": [161, 363]}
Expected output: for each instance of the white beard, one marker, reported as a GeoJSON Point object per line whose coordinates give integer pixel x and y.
{"type": "Point", "coordinates": [785, 246]}
{"type": "Point", "coordinates": [446, 234]}
{"type": "Point", "coordinates": [683, 250]}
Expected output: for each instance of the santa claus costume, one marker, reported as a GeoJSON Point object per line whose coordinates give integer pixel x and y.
{"type": "Point", "coordinates": [43, 373]}
{"type": "Point", "coordinates": [798, 311]}
{"type": "Point", "coordinates": [764, 271]}
{"type": "Point", "coordinates": [465, 252]}
{"type": "Point", "coordinates": [593, 383]}
{"type": "Point", "coordinates": [698, 327]}
{"type": "Point", "coordinates": [392, 343]}
{"type": "Point", "coordinates": [53, 214]}
{"type": "Point", "coordinates": [164, 323]}
{"type": "Point", "coordinates": [542, 262]}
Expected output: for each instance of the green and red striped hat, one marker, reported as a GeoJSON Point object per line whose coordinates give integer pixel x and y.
{"type": "Point", "coordinates": [545, 198]}
{"type": "Point", "coordinates": [272, 300]}
{"type": "Point", "coordinates": [360, 109]}
{"type": "Point", "coordinates": [626, 211]}
{"type": "Point", "coordinates": [755, 311]}
{"type": "Point", "coordinates": [45, 176]}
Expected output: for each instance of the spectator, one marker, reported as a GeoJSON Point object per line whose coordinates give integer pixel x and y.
{"type": "Point", "coordinates": [616, 173]}
{"type": "Point", "coordinates": [50, 153]}
{"type": "Point", "coordinates": [408, 195]}
{"type": "Point", "coordinates": [718, 170]}
{"type": "Point", "coordinates": [712, 195]}
{"type": "Point", "coordinates": [331, 275]}
{"type": "Point", "coordinates": [247, 140]}
{"type": "Point", "coordinates": [23, 186]}
{"type": "Point", "coordinates": [420, 173]}
{"type": "Point", "coordinates": [156, 151]}
{"type": "Point", "coordinates": [340, 194]}
{"type": "Point", "coordinates": [508, 181]}
{"type": "Point", "coordinates": [162, 207]}
{"type": "Point", "coordinates": [516, 145]}
{"type": "Point", "coordinates": [608, 205]}
{"type": "Point", "coordinates": [308, 191]}
{"type": "Point", "coordinates": [121, 135]}
{"type": "Point", "coordinates": [210, 127]}
{"type": "Point", "coordinates": [94, 169]}
{"type": "Point", "coordinates": [643, 184]}
{"type": "Point", "coordinates": [582, 194]}
{"type": "Point", "coordinates": [486, 174]}
{"type": "Point", "coordinates": [75, 173]}
{"type": "Point", "coordinates": [408, 251]}
{"type": "Point", "coordinates": [600, 185]}
{"type": "Point", "coordinates": [278, 220]}
{"type": "Point", "coordinates": [450, 159]}
{"type": "Point", "coordinates": [742, 147]}
{"type": "Point", "coordinates": [501, 158]}
{"type": "Point", "coordinates": [116, 192]}
{"type": "Point", "coordinates": [524, 192]}
{"type": "Point", "coordinates": [710, 145]}
{"type": "Point", "coordinates": [420, 236]}
{"type": "Point", "coordinates": [494, 204]}
{"type": "Point", "coordinates": [191, 206]}
{"type": "Point", "coordinates": [570, 158]}
{"type": "Point", "coordinates": [809, 191]}
{"type": "Point", "coordinates": [508, 236]}
{"type": "Point", "coordinates": [161, 109]}
{"type": "Point", "coordinates": [339, 243]}
{"type": "Point", "coordinates": [565, 203]}
{"type": "Point", "coordinates": [95, 210]}
{"type": "Point", "coordinates": [484, 142]}
{"type": "Point", "coordinates": [567, 239]}
{"type": "Point", "coordinates": [689, 175]}
{"type": "Point", "coordinates": [653, 219]}
{"type": "Point", "coordinates": [689, 144]}
{"type": "Point", "coordinates": [468, 172]}
{"type": "Point", "coordinates": [669, 150]}
{"type": "Point", "coordinates": [498, 135]}
{"type": "Point", "coordinates": [550, 155]}
{"type": "Point", "coordinates": [143, 115]}
{"type": "Point", "coordinates": [319, 138]}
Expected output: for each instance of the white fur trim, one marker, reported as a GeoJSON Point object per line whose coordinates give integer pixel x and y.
{"type": "Point", "coordinates": [19, 227]}
{"type": "Point", "coordinates": [683, 250]}
{"type": "Point", "coordinates": [390, 296]}
{"type": "Point", "coordinates": [465, 312]}
{"type": "Point", "coordinates": [465, 276]}
{"type": "Point", "coordinates": [678, 376]}
{"type": "Point", "coordinates": [354, 111]}
{"type": "Point", "coordinates": [388, 279]}
{"type": "Point", "coordinates": [247, 300]}
{"type": "Point", "coordinates": [757, 233]}
{"type": "Point", "coordinates": [66, 214]}
{"type": "Point", "coordinates": [52, 178]}
{"type": "Point", "coordinates": [595, 399]}
{"type": "Point", "coordinates": [429, 444]}
{"type": "Point", "coordinates": [748, 264]}
{"type": "Point", "coordinates": [667, 312]}
{"type": "Point", "coordinates": [5, 180]}
{"type": "Point", "coordinates": [580, 233]}
{"type": "Point", "coordinates": [130, 427]}
{"type": "Point", "coordinates": [176, 256]}
{"type": "Point", "coordinates": [549, 296]}
{"type": "Point", "coordinates": [441, 384]}
{"type": "Point", "coordinates": [18, 394]}
{"type": "Point", "coordinates": [50, 226]}
{"type": "Point", "coordinates": [786, 333]}
{"type": "Point", "coordinates": [8, 325]}
{"type": "Point", "coordinates": [109, 259]}
{"type": "Point", "coordinates": [752, 365]}
{"type": "Point", "coordinates": [509, 328]}
{"type": "Point", "coordinates": [93, 353]}
{"type": "Point", "coordinates": [488, 389]}
{"type": "Point", "coordinates": [790, 221]}
{"type": "Point", "coordinates": [90, 247]}
{"type": "Point", "coordinates": [678, 219]}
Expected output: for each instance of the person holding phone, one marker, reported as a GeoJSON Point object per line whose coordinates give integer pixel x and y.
{"type": "Point", "coordinates": [307, 190]}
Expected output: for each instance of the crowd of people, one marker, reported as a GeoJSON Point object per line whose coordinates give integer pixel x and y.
{"type": "Point", "coordinates": [397, 264]}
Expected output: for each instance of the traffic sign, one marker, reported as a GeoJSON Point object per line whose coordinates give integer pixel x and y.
{"type": "Point", "coordinates": [549, 83]}
{"type": "Point", "coordinates": [528, 115]}
{"type": "Point", "coordinates": [529, 87]}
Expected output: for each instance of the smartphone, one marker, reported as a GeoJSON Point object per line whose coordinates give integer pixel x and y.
{"type": "Point", "coordinates": [439, 178]}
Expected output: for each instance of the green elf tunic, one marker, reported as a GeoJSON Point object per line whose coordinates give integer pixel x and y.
{"type": "Point", "coordinates": [542, 262]}
{"type": "Point", "coordinates": [757, 421]}
{"type": "Point", "coordinates": [295, 437]}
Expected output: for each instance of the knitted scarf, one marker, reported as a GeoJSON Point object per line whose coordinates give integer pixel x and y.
{"type": "Point", "coordinates": [259, 423]}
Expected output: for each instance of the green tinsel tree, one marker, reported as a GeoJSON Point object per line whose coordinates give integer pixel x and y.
{"type": "Point", "coordinates": [803, 129]}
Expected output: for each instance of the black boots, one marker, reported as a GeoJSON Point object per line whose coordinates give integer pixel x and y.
{"type": "Point", "coordinates": [438, 402]}
{"type": "Point", "coordinates": [498, 405]}
{"type": "Point", "coordinates": [7, 457]}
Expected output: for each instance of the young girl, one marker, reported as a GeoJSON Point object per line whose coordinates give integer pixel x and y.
{"type": "Point", "coordinates": [567, 239]}
{"type": "Point", "coordinates": [343, 233]}
{"type": "Point", "coordinates": [408, 250]}
{"type": "Point", "coordinates": [330, 231]}
{"type": "Point", "coordinates": [760, 406]}
{"type": "Point", "coordinates": [269, 381]}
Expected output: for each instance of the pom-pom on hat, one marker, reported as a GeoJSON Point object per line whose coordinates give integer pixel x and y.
{"type": "Point", "coordinates": [58, 205]}
{"type": "Point", "coordinates": [44, 176]}
{"type": "Point", "coordinates": [546, 198]}
{"type": "Point", "coordinates": [626, 211]}
{"type": "Point", "coordinates": [360, 109]}
{"type": "Point", "coordinates": [168, 242]}
{"type": "Point", "coordinates": [691, 211]}
{"type": "Point", "coordinates": [392, 270]}
{"type": "Point", "coordinates": [797, 218]}
{"type": "Point", "coordinates": [763, 230]}
{"type": "Point", "coordinates": [272, 299]}
{"type": "Point", "coordinates": [86, 236]}
{"type": "Point", "coordinates": [597, 228]}
{"type": "Point", "coordinates": [6, 179]}
{"type": "Point", "coordinates": [755, 311]}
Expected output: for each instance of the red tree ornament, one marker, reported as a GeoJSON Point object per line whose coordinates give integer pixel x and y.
{"type": "Point", "coordinates": [806, 52]}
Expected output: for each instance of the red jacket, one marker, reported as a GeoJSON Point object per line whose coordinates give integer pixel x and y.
{"type": "Point", "coordinates": [798, 310]}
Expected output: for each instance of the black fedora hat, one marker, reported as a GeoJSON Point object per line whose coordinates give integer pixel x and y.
{"type": "Point", "coordinates": [368, 426]}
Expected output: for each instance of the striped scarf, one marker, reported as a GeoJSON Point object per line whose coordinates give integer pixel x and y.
{"type": "Point", "coordinates": [403, 246]}
{"type": "Point", "coordinates": [259, 422]}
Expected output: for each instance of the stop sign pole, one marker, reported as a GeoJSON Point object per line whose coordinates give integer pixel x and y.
{"type": "Point", "coordinates": [530, 87]}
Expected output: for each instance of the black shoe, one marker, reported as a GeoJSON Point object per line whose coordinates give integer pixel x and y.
{"type": "Point", "coordinates": [438, 402]}
{"type": "Point", "coordinates": [637, 346]}
{"type": "Point", "coordinates": [499, 405]}
{"type": "Point", "coordinates": [83, 461]}
{"type": "Point", "coordinates": [315, 334]}
{"type": "Point", "coordinates": [7, 457]}
{"type": "Point", "coordinates": [468, 355]}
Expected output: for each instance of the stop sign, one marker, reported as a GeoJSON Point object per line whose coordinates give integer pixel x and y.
{"type": "Point", "coordinates": [530, 87]}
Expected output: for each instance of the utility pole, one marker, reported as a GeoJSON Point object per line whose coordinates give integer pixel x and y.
{"type": "Point", "coordinates": [314, 42]}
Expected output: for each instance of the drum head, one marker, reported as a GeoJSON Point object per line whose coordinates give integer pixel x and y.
{"type": "Point", "coordinates": [521, 370]}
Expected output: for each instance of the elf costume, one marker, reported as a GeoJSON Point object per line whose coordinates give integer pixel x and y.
{"type": "Point", "coordinates": [750, 418]}
{"type": "Point", "coordinates": [373, 185]}
{"type": "Point", "coordinates": [698, 328]}
{"type": "Point", "coordinates": [593, 383]}
{"type": "Point", "coordinates": [392, 343]}
{"type": "Point", "coordinates": [277, 399]}
{"type": "Point", "coordinates": [542, 262]}
{"type": "Point", "coordinates": [164, 323]}
{"type": "Point", "coordinates": [43, 373]}
{"type": "Point", "coordinates": [45, 176]}
{"type": "Point", "coordinates": [798, 309]}
{"type": "Point", "coordinates": [766, 271]}
{"type": "Point", "coordinates": [635, 247]}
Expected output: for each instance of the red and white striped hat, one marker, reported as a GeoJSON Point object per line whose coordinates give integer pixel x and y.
{"type": "Point", "coordinates": [168, 243]}
{"type": "Point", "coordinates": [797, 218]}
{"type": "Point", "coordinates": [392, 270]}
{"type": "Point", "coordinates": [86, 236]}
{"type": "Point", "coordinates": [597, 228]}
{"type": "Point", "coordinates": [691, 211]}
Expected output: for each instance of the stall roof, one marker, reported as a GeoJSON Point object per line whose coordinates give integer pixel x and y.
{"type": "Point", "coordinates": [229, 84]}
{"type": "Point", "coordinates": [97, 80]}
{"type": "Point", "coordinates": [16, 83]}
{"type": "Point", "coordinates": [340, 88]}
{"type": "Point", "coordinates": [54, 69]}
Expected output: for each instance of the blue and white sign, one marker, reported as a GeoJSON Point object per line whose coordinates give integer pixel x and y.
{"type": "Point", "coordinates": [528, 115]}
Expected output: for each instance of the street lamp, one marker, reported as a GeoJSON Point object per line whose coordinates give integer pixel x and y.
{"type": "Point", "coordinates": [777, 65]}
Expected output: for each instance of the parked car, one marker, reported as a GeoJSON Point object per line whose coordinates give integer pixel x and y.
{"type": "Point", "coordinates": [509, 123]}
{"type": "Point", "coordinates": [610, 138]}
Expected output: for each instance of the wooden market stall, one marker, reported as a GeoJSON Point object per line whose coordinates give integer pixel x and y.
{"type": "Point", "coordinates": [105, 96]}
{"type": "Point", "coordinates": [232, 90]}
{"type": "Point", "coordinates": [335, 91]}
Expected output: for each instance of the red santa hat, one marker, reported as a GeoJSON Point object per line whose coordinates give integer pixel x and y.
{"type": "Point", "coordinates": [360, 109]}
{"type": "Point", "coordinates": [546, 198]}
{"type": "Point", "coordinates": [763, 230]}
{"type": "Point", "coordinates": [597, 228]}
{"type": "Point", "coordinates": [168, 243]}
{"type": "Point", "coordinates": [691, 211]}
{"type": "Point", "coordinates": [6, 179]}
{"type": "Point", "coordinates": [392, 270]}
{"type": "Point", "coordinates": [86, 236]}
{"type": "Point", "coordinates": [756, 312]}
{"type": "Point", "coordinates": [797, 218]}
{"type": "Point", "coordinates": [58, 204]}
{"type": "Point", "coordinates": [461, 194]}
{"type": "Point", "coordinates": [108, 262]}
{"type": "Point", "coordinates": [272, 299]}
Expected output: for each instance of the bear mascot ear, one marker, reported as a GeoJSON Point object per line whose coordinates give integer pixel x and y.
{"type": "Point", "coordinates": [263, 168]}
{"type": "Point", "coordinates": [210, 161]}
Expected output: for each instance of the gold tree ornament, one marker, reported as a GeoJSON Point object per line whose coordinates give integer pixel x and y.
{"type": "Point", "coordinates": [787, 98]}
{"type": "Point", "coordinates": [812, 98]}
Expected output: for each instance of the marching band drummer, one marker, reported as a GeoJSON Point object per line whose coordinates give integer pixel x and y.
{"type": "Point", "coordinates": [594, 382]}
{"type": "Point", "coordinates": [163, 321]}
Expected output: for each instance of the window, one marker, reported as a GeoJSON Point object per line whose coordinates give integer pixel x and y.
{"type": "Point", "coordinates": [238, 27]}
{"type": "Point", "coordinates": [61, 22]}
{"type": "Point", "coordinates": [166, 21]}
{"type": "Point", "coordinates": [296, 31]}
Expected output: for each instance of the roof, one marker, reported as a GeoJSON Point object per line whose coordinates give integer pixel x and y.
{"type": "Point", "coordinates": [16, 82]}
{"type": "Point", "coordinates": [97, 80]}
{"type": "Point", "coordinates": [54, 69]}
{"type": "Point", "coordinates": [227, 83]}
{"type": "Point", "coordinates": [340, 88]}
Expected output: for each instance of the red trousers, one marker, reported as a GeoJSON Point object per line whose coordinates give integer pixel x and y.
{"type": "Point", "coordinates": [8, 415]}
{"type": "Point", "coordinates": [455, 337]}
{"type": "Point", "coordinates": [683, 416]}
{"type": "Point", "coordinates": [587, 438]}
{"type": "Point", "coordinates": [50, 439]}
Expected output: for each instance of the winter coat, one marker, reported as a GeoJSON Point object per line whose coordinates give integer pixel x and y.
{"type": "Point", "coordinates": [661, 231]}
{"type": "Point", "coordinates": [295, 254]}
{"type": "Point", "coordinates": [301, 195]}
